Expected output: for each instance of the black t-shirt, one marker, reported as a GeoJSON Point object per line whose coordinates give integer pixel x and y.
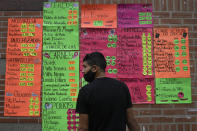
{"type": "Point", "coordinates": [105, 100]}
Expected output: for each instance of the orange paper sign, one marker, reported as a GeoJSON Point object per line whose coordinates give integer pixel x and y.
{"type": "Point", "coordinates": [171, 52]}
{"type": "Point", "coordinates": [23, 67]}
{"type": "Point", "coordinates": [99, 16]}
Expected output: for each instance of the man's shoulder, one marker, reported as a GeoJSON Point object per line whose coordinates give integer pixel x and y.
{"type": "Point", "coordinates": [86, 87]}
{"type": "Point", "coordinates": [118, 81]}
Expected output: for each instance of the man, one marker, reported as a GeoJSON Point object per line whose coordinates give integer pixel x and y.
{"type": "Point", "coordinates": [105, 103]}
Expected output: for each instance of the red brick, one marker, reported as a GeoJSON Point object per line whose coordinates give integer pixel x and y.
{"type": "Point", "coordinates": [82, 2]}
{"type": "Point", "coordinates": [180, 127]}
{"type": "Point", "coordinates": [195, 56]}
{"type": "Point", "coordinates": [8, 120]}
{"type": "Point", "coordinates": [30, 13]}
{"type": "Point", "coordinates": [1, 13]}
{"type": "Point", "coordinates": [192, 67]}
{"type": "Point", "coordinates": [4, 45]}
{"type": "Point", "coordinates": [1, 98]}
{"type": "Point", "coordinates": [1, 108]}
{"type": "Point", "coordinates": [1, 114]}
{"type": "Point", "coordinates": [136, 1]}
{"type": "Point", "coordinates": [5, 23]}
{"type": "Point", "coordinates": [194, 97]}
{"type": "Point", "coordinates": [173, 127]}
{"type": "Point", "coordinates": [135, 112]}
{"type": "Point", "coordinates": [41, 13]}
{"type": "Point", "coordinates": [161, 106]}
{"type": "Point", "coordinates": [193, 48]}
{"type": "Point", "coordinates": [157, 5]}
{"type": "Point", "coordinates": [12, 13]}
{"type": "Point", "coordinates": [2, 81]}
{"type": "Point", "coordinates": [28, 120]}
{"type": "Point", "coordinates": [4, 34]}
{"type": "Point", "coordinates": [140, 106]}
{"type": "Point", "coordinates": [194, 127]}
{"type": "Point", "coordinates": [2, 50]}
{"type": "Point", "coordinates": [2, 76]}
{"type": "Point", "coordinates": [115, 2]}
{"type": "Point", "coordinates": [162, 119]}
{"type": "Point", "coordinates": [170, 5]}
{"type": "Point", "coordinates": [195, 14]}
{"type": "Point", "coordinates": [170, 21]}
{"type": "Point", "coordinates": [177, 5]}
{"type": "Point", "coordinates": [3, 56]}
{"type": "Point", "coordinates": [190, 5]}
{"type": "Point", "coordinates": [158, 127]}
{"type": "Point", "coordinates": [40, 120]}
{"type": "Point", "coordinates": [191, 41]}
{"type": "Point", "coordinates": [166, 127]}
{"type": "Point", "coordinates": [3, 29]}
{"type": "Point", "coordinates": [3, 39]}
{"type": "Point", "coordinates": [193, 35]}
{"type": "Point", "coordinates": [163, 5]}
{"type": "Point", "coordinates": [179, 26]}
{"type": "Point", "coordinates": [174, 112]}
{"type": "Point", "coordinates": [192, 105]}
{"type": "Point", "coordinates": [195, 41]}
{"type": "Point", "coordinates": [142, 2]}
{"type": "Point", "coordinates": [194, 84]}
{"type": "Point", "coordinates": [195, 5]}
{"type": "Point", "coordinates": [181, 15]}
{"type": "Point", "coordinates": [2, 92]}
{"type": "Point", "coordinates": [156, 21]}
{"type": "Point", "coordinates": [88, 1]}
{"type": "Point", "coordinates": [161, 14]}
{"type": "Point", "coordinates": [184, 5]}
{"type": "Point", "coordinates": [190, 21]}
{"type": "Point", "coordinates": [3, 18]}
{"type": "Point", "coordinates": [184, 119]}
{"type": "Point", "coordinates": [2, 87]}
{"type": "Point", "coordinates": [145, 127]}
{"type": "Point", "coordinates": [149, 1]}
{"type": "Point", "coordinates": [187, 127]}
{"type": "Point", "coordinates": [152, 128]}
{"type": "Point", "coordinates": [150, 112]}
{"type": "Point", "coordinates": [143, 120]}
{"type": "Point", "coordinates": [195, 28]}
{"type": "Point", "coordinates": [161, 26]}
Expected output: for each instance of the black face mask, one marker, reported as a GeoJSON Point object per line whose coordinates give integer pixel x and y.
{"type": "Point", "coordinates": [89, 76]}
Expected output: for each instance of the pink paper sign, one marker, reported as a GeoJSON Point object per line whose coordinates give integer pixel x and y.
{"type": "Point", "coordinates": [100, 40]}
{"type": "Point", "coordinates": [141, 90]}
{"type": "Point", "coordinates": [135, 15]}
{"type": "Point", "coordinates": [134, 53]}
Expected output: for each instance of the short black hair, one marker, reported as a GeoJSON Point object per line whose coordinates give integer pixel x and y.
{"type": "Point", "coordinates": [96, 58]}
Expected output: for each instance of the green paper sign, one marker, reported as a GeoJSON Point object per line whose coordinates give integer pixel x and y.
{"type": "Point", "coordinates": [59, 116]}
{"type": "Point", "coordinates": [173, 90]}
{"type": "Point", "coordinates": [60, 75]}
{"type": "Point", "coordinates": [60, 38]}
{"type": "Point", "coordinates": [61, 26]}
{"type": "Point", "coordinates": [61, 14]}
{"type": "Point", "coordinates": [83, 82]}
{"type": "Point", "coordinates": [60, 90]}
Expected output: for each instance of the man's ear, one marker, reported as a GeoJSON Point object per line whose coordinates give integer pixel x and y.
{"type": "Point", "coordinates": [94, 68]}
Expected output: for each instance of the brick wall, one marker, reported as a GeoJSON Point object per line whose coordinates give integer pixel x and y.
{"type": "Point", "coordinates": [167, 13]}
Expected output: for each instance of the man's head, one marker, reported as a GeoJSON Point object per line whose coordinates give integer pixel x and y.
{"type": "Point", "coordinates": [93, 65]}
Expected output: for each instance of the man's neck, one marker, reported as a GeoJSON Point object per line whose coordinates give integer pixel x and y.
{"type": "Point", "coordinates": [100, 74]}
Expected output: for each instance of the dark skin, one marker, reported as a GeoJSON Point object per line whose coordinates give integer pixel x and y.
{"type": "Point", "coordinates": [83, 118]}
